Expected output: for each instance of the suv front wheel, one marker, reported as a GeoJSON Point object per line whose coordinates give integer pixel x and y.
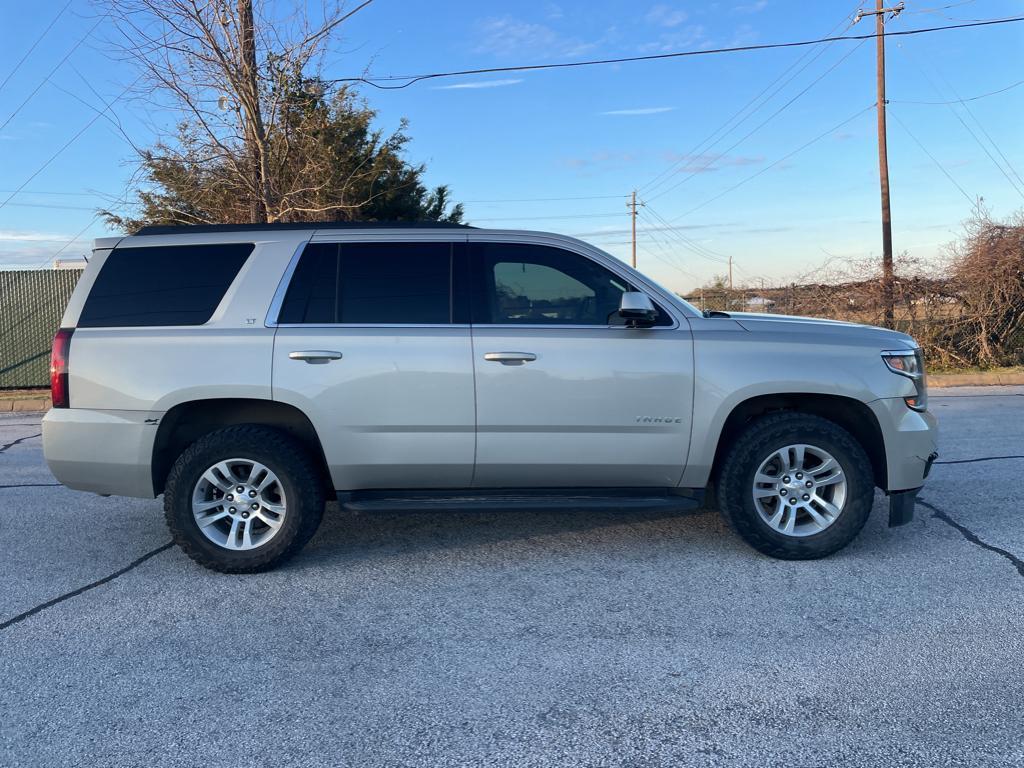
{"type": "Point", "coordinates": [243, 499]}
{"type": "Point", "coordinates": [796, 486]}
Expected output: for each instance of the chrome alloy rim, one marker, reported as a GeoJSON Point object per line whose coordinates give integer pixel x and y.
{"type": "Point", "coordinates": [239, 504]}
{"type": "Point", "coordinates": [799, 490]}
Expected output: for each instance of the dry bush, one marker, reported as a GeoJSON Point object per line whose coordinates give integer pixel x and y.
{"type": "Point", "coordinates": [967, 310]}
{"type": "Point", "coordinates": [987, 276]}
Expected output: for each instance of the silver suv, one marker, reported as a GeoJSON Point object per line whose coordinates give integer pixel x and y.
{"type": "Point", "coordinates": [250, 373]}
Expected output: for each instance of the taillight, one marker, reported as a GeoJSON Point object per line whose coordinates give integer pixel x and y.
{"type": "Point", "coordinates": [59, 393]}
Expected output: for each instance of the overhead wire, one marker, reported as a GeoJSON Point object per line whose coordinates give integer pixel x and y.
{"type": "Point", "coordinates": [931, 157]}
{"type": "Point", "coordinates": [1017, 184]}
{"type": "Point", "coordinates": [35, 43]}
{"type": "Point", "coordinates": [759, 100]}
{"type": "Point", "coordinates": [674, 231]}
{"type": "Point", "coordinates": [68, 143]}
{"type": "Point", "coordinates": [412, 79]}
{"type": "Point", "coordinates": [961, 101]}
{"type": "Point", "coordinates": [763, 123]}
{"type": "Point", "coordinates": [782, 159]}
{"type": "Point", "coordinates": [49, 74]}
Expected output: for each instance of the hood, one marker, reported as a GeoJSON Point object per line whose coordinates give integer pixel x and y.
{"type": "Point", "coordinates": [757, 322]}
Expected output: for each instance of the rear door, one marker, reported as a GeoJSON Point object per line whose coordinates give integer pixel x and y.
{"type": "Point", "coordinates": [567, 396]}
{"type": "Point", "coordinates": [367, 345]}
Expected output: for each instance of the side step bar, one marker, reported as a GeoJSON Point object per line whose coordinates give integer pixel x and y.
{"type": "Point", "coordinates": [512, 499]}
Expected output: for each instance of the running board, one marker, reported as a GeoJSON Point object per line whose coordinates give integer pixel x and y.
{"type": "Point", "coordinates": [520, 499]}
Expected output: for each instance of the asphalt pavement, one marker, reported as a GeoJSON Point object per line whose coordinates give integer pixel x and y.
{"type": "Point", "coordinates": [546, 638]}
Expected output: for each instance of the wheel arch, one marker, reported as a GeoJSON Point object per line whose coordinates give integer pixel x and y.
{"type": "Point", "coordinates": [849, 413]}
{"type": "Point", "coordinates": [186, 422]}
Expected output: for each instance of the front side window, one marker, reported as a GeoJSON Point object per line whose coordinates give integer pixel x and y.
{"type": "Point", "coordinates": [519, 284]}
{"type": "Point", "coordinates": [370, 283]}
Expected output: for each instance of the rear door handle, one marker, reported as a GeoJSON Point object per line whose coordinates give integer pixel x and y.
{"type": "Point", "coordinates": [510, 358]}
{"type": "Point", "coordinates": [314, 356]}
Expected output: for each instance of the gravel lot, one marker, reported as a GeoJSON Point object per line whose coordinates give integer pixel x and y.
{"type": "Point", "coordinates": [547, 638]}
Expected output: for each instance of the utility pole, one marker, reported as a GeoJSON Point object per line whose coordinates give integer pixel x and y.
{"type": "Point", "coordinates": [250, 101]}
{"type": "Point", "coordinates": [632, 204]}
{"type": "Point", "coordinates": [883, 154]}
{"type": "Point", "coordinates": [730, 273]}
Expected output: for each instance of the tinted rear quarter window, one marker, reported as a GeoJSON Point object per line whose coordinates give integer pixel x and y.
{"type": "Point", "coordinates": [371, 283]}
{"type": "Point", "coordinates": [162, 285]}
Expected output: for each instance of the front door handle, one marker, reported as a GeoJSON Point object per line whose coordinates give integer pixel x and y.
{"type": "Point", "coordinates": [314, 356]}
{"type": "Point", "coordinates": [510, 358]}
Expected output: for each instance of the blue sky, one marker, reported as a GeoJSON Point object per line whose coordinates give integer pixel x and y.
{"type": "Point", "coordinates": [505, 143]}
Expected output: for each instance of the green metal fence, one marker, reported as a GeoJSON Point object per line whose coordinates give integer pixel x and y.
{"type": "Point", "coordinates": [31, 305]}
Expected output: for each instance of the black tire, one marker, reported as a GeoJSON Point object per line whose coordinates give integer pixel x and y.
{"type": "Point", "coordinates": [285, 457]}
{"type": "Point", "coordinates": [757, 442]}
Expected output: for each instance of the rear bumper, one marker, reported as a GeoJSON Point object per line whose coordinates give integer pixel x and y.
{"type": "Point", "coordinates": [106, 452]}
{"type": "Point", "coordinates": [911, 440]}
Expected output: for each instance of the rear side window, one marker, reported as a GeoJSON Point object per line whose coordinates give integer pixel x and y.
{"type": "Point", "coordinates": [371, 283]}
{"type": "Point", "coordinates": [165, 285]}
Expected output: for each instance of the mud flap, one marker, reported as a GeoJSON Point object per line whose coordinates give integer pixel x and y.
{"type": "Point", "coordinates": [901, 507]}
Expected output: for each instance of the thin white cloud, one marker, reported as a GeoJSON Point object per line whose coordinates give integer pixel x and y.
{"type": "Point", "coordinates": [640, 111]}
{"type": "Point", "coordinates": [509, 36]}
{"type": "Point", "coordinates": [755, 7]}
{"type": "Point", "coordinates": [666, 16]}
{"type": "Point", "coordinates": [20, 236]}
{"type": "Point", "coordinates": [476, 84]}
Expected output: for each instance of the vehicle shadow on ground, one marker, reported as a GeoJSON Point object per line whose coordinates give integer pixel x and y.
{"type": "Point", "coordinates": [348, 538]}
{"type": "Point", "coordinates": [351, 536]}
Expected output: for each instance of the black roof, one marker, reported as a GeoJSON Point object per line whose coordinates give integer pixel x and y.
{"type": "Point", "coordinates": [199, 229]}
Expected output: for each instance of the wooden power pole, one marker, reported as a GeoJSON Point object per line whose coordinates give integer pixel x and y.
{"type": "Point", "coordinates": [250, 102]}
{"type": "Point", "coordinates": [883, 155]}
{"type": "Point", "coordinates": [632, 204]}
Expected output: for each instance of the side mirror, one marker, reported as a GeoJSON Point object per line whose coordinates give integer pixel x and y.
{"type": "Point", "coordinates": [636, 309]}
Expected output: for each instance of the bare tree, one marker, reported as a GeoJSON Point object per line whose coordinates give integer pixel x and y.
{"type": "Point", "coordinates": [255, 113]}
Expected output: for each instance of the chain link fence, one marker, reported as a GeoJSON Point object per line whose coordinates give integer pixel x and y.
{"type": "Point", "coordinates": [31, 305]}
{"type": "Point", "coordinates": [950, 331]}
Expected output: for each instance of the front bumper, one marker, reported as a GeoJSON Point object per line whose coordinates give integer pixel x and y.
{"type": "Point", "coordinates": [911, 442]}
{"type": "Point", "coordinates": [901, 503]}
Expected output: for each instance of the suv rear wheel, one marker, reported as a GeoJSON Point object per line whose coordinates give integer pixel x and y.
{"type": "Point", "coordinates": [796, 486]}
{"type": "Point", "coordinates": [243, 499]}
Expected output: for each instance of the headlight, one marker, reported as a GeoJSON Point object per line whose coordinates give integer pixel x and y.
{"type": "Point", "coordinates": [910, 364]}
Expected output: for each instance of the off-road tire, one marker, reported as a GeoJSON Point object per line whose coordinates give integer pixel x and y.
{"type": "Point", "coordinates": [754, 445]}
{"type": "Point", "coordinates": [295, 469]}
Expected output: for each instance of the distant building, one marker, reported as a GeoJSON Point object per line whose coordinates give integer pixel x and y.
{"type": "Point", "coordinates": [70, 263]}
{"type": "Point", "coordinates": [759, 303]}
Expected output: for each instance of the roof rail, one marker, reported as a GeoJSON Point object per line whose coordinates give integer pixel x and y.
{"type": "Point", "coordinates": [200, 229]}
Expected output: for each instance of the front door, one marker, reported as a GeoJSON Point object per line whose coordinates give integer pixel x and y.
{"type": "Point", "coordinates": [566, 395]}
{"type": "Point", "coordinates": [366, 347]}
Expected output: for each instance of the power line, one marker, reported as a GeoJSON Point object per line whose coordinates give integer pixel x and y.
{"type": "Point", "coordinates": [34, 44]}
{"type": "Point", "coordinates": [50, 205]}
{"type": "Point", "coordinates": [68, 194]}
{"type": "Point", "coordinates": [968, 128]}
{"type": "Point", "coordinates": [68, 143]}
{"type": "Point", "coordinates": [69, 243]}
{"type": "Point", "coordinates": [616, 214]}
{"type": "Point", "coordinates": [763, 123]}
{"type": "Point", "coordinates": [981, 127]}
{"type": "Point", "coordinates": [411, 79]}
{"type": "Point", "coordinates": [939, 165]}
{"type": "Point", "coordinates": [782, 159]}
{"type": "Point", "coordinates": [961, 101]}
{"type": "Point", "coordinates": [692, 245]}
{"type": "Point", "coordinates": [941, 7]}
{"type": "Point", "coordinates": [548, 199]}
{"type": "Point", "coordinates": [760, 97]}
{"type": "Point", "coordinates": [668, 262]}
{"type": "Point", "coordinates": [49, 74]}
